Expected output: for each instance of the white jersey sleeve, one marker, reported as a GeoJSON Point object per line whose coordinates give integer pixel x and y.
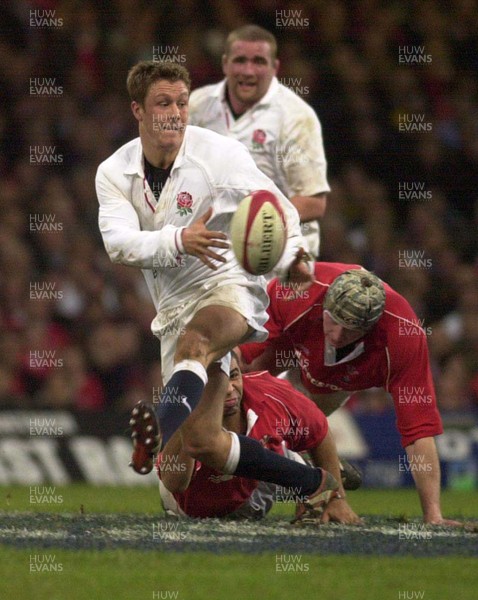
{"type": "Point", "coordinates": [120, 228]}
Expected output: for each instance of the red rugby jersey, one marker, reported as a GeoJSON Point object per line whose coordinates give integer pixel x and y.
{"type": "Point", "coordinates": [276, 413]}
{"type": "Point", "coordinates": [394, 353]}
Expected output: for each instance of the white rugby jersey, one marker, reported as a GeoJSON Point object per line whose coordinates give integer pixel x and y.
{"type": "Point", "coordinates": [283, 135]}
{"type": "Point", "coordinates": [209, 170]}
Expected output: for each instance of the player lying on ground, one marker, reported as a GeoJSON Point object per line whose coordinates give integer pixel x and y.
{"type": "Point", "coordinates": [166, 201]}
{"type": "Point", "coordinates": [266, 409]}
{"type": "Point", "coordinates": [350, 332]}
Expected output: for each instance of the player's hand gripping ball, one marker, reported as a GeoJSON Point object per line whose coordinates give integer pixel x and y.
{"type": "Point", "coordinates": [258, 232]}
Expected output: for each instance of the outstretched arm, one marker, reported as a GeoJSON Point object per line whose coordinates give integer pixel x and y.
{"type": "Point", "coordinates": [425, 467]}
{"type": "Point", "coordinates": [325, 456]}
{"type": "Point", "coordinates": [263, 362]}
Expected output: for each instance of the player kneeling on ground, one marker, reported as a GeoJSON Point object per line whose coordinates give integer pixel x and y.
{"type": "Point", "coordinates": [283, 420]}
{"type": "Point", "coordinates": [351, 332]}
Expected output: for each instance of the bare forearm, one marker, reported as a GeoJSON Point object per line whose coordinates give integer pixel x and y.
{"type": "Point", "coordinates": [338, 509]}
{"type": "Point", "coordinates": [325, 456]}
{"type": "Point", "coordinates": [425, 467]}
{"type": "Point", "coordinates": [267, 361]}
{"type": "Point", "coordinates": [310, 208]}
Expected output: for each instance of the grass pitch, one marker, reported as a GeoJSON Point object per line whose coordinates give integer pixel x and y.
{"type": "Point", "coordinates": [145, 500]}
{"type": "Point", "coordinates": [89, 542]}
{"type": "Point", "coordinates": [128, 575]}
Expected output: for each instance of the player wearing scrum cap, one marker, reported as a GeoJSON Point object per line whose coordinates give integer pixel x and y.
{"type": "Point", "coordinates": [352, 332]}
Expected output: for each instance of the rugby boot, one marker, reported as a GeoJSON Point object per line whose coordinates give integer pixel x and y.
{"type": "Point", "coordinates": [146, 438]}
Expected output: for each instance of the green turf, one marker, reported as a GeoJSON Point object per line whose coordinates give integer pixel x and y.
{"type": "Point", "coordinates": [146, 501]}
{"type": "Point", "coordinates": [91, 499]}
{"type": "Point", "coordinates": [132, 575]}
{"type": "Point", "coordinates": [121, 574]}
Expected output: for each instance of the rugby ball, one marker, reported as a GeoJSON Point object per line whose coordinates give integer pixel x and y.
{"type": "Point", "coordinates": [258, 232]}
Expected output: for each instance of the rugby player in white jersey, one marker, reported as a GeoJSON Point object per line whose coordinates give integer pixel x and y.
{"type": "Point", "coordinates": [165, 203]}
{"type": "Point", "coordinates": [280, 130]}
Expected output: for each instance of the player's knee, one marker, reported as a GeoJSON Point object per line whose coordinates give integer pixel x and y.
{"type": "Point", "coordinates": [173, 484]}
{"type": "Point", "coordinates": [193, 345]}
{"type": "Point", "coordinates": [197, 451]}
{"type": "Point", "coordinates": [198, 444]}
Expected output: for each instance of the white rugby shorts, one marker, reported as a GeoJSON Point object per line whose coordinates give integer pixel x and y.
{"type": "Point", "coordinates": [249, 300]}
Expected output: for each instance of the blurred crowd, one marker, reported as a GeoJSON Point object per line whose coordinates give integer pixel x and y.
{"type": "Point", "coordinates": [75, 329]}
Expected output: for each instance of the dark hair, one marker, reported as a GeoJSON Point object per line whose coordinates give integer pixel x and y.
{"type": "Point", "coordinates": [147, 72]}
{"type": "Point", "coordinates": [251, 33]}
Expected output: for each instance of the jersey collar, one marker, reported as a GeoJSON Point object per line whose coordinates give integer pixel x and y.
{"type": "Point", "coordinates": [220, 93]}
{"type": "Point", "coordinates": [251, 418]}
{"type": "Point", "coordinates": [266, 99]}
{"type": "Point", "coordinates": [330, 354]}
{"type": "Point", "coordinates": [135, 165]}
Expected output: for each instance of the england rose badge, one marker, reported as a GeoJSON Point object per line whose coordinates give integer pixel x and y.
{"type": "Point", "coordinates": [258, 139]}
{"type": "Point", "coordinates": [184, 203]}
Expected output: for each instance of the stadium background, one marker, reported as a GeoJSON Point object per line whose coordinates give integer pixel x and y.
{"type": "Point", "coordinates": [75, 328]}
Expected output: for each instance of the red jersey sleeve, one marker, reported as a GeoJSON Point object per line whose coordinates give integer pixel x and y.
{"type": "Point", "coordinates": [411, 382]}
